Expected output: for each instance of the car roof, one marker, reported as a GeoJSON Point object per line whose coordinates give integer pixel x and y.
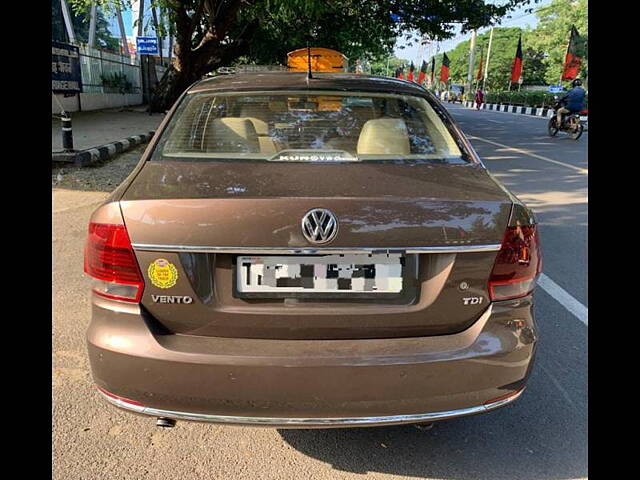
{"type": "Point", "coordinates": [347, 82]}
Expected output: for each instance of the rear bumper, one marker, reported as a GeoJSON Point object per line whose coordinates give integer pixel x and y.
{"type": "Point", "coordinates": [294, 422]}
{"type": "Point", "coordinates": [311, 383]}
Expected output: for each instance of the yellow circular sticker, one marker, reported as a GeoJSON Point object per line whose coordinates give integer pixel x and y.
{"type": "Point", "coordinates": [163, 274]}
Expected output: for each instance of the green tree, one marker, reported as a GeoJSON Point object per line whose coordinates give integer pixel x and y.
{"type": "Point", "coordinates": [551, 36]}
{"type": "Point", "coordinates": [503, 50]}
{"type": "Point", "coordinates": [80, 21]}
{"type": "Point", "coordinates": [214, 33]}
{"type": "Point", "coordinates": [387, 65]}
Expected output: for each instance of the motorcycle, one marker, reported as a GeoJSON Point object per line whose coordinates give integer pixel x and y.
{"type": "Point", "coordinates": [570, 124]}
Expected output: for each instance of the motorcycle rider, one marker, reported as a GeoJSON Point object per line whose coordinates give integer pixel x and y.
{"type": "Point", "coordinates": [572, 101]}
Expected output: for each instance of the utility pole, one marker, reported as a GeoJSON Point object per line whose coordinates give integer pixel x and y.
{"type": "Point", "coordinates": [563, 62]}
{"type": "Point", "coordinates": [140, 17]}
{"type": "Point", "coordinates": [92, 24]}
{"type": "Point", "coordinates": [123, 35]}
{"type": "Point", "coordinates": [67, 21]}
{"type": "Point", "coordinates": [472, 58]}
{"type": "Point", "coordinates": [154, 16]}
{"type": "Point", "coordinates": [424, 41]}
{"type": "Point", "coordinates": [429, 50]}
{"type": "Point", "coordinates": [486, 66]}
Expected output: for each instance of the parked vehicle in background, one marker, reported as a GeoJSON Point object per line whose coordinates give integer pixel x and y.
{"type": "Point", "coordinates": [456, 93]}
{"type": "Point", "coordinates": [311, 252]}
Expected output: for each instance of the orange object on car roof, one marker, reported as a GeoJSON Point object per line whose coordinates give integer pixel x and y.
{"type": "Point", "coordinates": [322, 60]}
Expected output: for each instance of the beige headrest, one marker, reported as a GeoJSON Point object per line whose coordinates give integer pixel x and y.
{"type": "Point", "coordinates": [384, 136]}
{"type": "Point", "coordinates": [231, 134]}
{"type": "Point", "coordinates": [262, 127]}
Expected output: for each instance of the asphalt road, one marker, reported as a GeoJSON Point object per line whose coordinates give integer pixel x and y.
{"type": "Point", "coordinates": [541, 436]}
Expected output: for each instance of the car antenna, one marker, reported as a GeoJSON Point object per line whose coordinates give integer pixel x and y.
{"type": "Point", "coordinates": [309, 75]}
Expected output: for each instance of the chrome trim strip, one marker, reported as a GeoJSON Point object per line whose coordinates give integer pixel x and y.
{"type": "Point", "coordinates": [313, 250]}
{"type": "Point", "coordinates": [307, 422]}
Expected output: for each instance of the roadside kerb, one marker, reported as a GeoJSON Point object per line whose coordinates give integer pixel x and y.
{"type": "Point", "coordinates": [88, 156]}
{"type": "Point", "coordinates": [518, 109]}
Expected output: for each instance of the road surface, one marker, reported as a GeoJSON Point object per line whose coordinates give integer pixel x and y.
{"type": "Point", "coordinates": [541, 436]}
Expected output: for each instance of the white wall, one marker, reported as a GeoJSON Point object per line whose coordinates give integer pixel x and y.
{"type": "Point", "coordinates": [95, 101]}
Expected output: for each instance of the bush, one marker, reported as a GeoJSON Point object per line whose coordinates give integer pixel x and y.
{"type": "Point", "coordinates": [116, 82]}
{"type": "Point", "coordinates": [526, 99]}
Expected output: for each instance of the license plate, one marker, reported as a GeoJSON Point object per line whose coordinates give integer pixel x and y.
{"type": "Point", "coordinates": [357, 273]}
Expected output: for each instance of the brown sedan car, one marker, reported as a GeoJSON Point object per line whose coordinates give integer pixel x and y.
{"type": "Point", "coordinates": [311, 252]}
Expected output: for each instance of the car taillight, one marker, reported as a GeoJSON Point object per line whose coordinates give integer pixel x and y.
{"type": "Point", "coordinates": [517, 264]}
{"type": "Point", "coordinates": [110, 260]}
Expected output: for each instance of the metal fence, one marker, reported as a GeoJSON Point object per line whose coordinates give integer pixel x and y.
{"type": "Point", "coordinates": [96, 64]}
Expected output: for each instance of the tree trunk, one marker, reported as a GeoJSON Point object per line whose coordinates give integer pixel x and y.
{"type": "Point", "coordinates": [189, 67]}
{"type": "Point", "coordinates": [170, 87]}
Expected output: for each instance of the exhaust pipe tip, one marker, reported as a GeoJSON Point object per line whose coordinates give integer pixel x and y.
{"type": "Point", "coordinates": [164, 422]}
{"type": "Point", "coordinates": [423, 426]}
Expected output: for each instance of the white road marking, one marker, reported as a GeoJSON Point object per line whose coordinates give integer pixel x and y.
{"type": "Point", "coordinates": [500, 157]}
{"type": "Point", "coordinates": [564, 298]}
{"type": "Point", "coordinates": [584, 171]}
{"type": "Point", "coordinates": [557, 384]}
{"type": "Point", "coordinates": [494, 121]}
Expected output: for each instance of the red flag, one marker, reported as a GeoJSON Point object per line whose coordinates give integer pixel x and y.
{"type": "Point", "coordinates": [423, 73]}
{"type": "Point", "coordinates": [516, 68]}
{"type": "Point", "coordinates": [479, 75]}
{"type": "Point", "coordinates": [573, 59]}
{"type": "Point", "coordinates": [444, 70]}
{"type": "Point", "coordinates": [411, 69]}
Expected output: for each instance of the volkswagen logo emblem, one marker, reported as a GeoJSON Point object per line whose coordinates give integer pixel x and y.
{"type": "Point", "coordinates": [319, 225]}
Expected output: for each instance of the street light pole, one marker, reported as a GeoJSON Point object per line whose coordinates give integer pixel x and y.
{"type": "Point", "coordinates": [92, 24]}
{"type": "Point", "coordinates": [67, 21]}
{"type": "Point", "coordinates": [140, 17]}
{"type": "Point", "coordinates": [566, 51]}
{"type": "Point", "coordinates": [154, 16]}
{"type": "Point", "coordinates": [486, 67]}
{"type": "Point", "coordinates": [123, 35]}
{"type": "Point", "coordinates": [472, 58]}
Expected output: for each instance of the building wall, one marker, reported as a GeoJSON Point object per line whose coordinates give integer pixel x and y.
{"type": "Point", "coordinates": [95, 101]}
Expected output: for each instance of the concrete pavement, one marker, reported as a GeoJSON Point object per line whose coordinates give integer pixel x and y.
{"type": "Point", "coordinates": [541, 436]}
{"type": "Point", "coordinates": [99, 127]}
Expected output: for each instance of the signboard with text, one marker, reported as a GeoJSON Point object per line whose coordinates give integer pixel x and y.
{"type": "Point", "coordinates": [555, 88]}
{"type": "Point", "coordinates": [65, 68]}
{"type": "Point", "coordinates": [147, 46]}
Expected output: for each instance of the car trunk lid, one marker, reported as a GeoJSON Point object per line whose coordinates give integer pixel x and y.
{"type": "Point", "coordinates": [445, 220]}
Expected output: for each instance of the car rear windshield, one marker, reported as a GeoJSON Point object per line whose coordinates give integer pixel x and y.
{"type": "Point", "coordinates": [309, 126]}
